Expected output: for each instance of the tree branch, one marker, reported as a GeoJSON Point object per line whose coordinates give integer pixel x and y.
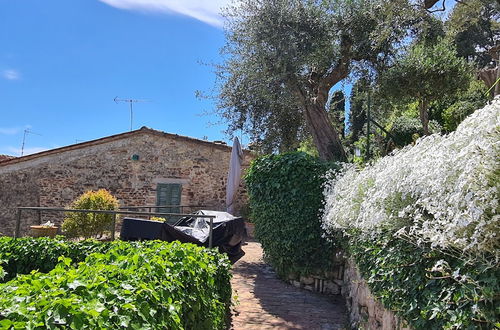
{"type": "Point", "coordinates": [338, 73]}
{"type": "Point", "coordinates": [429, 3]}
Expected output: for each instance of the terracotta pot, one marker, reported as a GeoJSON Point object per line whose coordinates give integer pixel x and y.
{"type": "Point", "coordinates": [250, 228]}
{"type": "Point", "coordinates": [43, 231]}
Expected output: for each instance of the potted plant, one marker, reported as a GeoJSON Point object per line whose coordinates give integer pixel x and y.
{"type": "Point", "coordinates": [47, 229]}
{"type": "Point", "coordinates": [246, 213]}
{"type": "Point", "coordinates": [250, 228]}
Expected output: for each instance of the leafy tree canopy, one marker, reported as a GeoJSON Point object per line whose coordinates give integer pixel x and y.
{"type": "Point", "coordinates": [426, 73]}
{"type": "Point", "coordinates": [474, 26]}
{"type": "Point", "coordinates": [283, 57]}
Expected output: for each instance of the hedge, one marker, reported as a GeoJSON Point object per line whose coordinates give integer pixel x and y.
{"type": "Point", "coordinates": [285, 193]}
{"type": "Point", "coordinates": [147, 285]}
{"type": "Point", "coordinates": [22, 255]}
{"type": "Point", "coordinates": [428, 288]}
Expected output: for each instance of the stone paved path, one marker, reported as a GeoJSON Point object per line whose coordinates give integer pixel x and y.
{"type": "Point", "coordinates": [266, 302]}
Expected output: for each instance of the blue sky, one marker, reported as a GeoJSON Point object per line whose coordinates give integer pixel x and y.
{"type": "Point", "coordinates": [63, 62]}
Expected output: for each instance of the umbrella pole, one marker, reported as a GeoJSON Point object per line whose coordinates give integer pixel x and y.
{"type": "Point", "coordinates": [210, 233]}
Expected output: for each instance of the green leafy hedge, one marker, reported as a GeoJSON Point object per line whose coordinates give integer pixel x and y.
{"type": "Point", "coordinates": [147, 285]}
{"type": "Point", "coordinates": [285, 197]}
{"type": "Point", "coordinates": [428, 288]}
{"type": "Point", "coordinates": [22, 255]}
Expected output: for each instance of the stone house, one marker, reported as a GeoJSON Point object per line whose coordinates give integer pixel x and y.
{"type": "Point", "coordinates": [141, 167]}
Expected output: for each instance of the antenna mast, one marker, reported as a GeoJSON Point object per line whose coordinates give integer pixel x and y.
{"type": "Point", "coordinates": [131, 102]}
{"type": "Point", "coordinates": [27, 131]}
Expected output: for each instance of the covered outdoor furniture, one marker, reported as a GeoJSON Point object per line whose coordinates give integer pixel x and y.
{"type": "Point", "coordinates": [139, 229]}
{"type": "Point", "coordinates": [227, 235]}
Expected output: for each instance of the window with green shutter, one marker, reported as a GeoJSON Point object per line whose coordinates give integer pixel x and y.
{"type": "Point", "coordinates": [168, 194]}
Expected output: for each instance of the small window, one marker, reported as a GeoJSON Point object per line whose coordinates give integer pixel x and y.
{"type": "Point", "coordinates": [168, 194]}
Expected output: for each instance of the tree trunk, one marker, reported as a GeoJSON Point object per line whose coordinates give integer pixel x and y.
{"type": "Point", "coordinates": [489, 76]}
{"type": "Point", "coordinates": [325, 137]}
{"type": "Point", "coordinates": [314, 98]}
{"type": "Point", "coordinates": [424, 115]}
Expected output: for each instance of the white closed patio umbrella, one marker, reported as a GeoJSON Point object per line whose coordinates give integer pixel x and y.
{"type": "Point", "coordinates": [234, 175]}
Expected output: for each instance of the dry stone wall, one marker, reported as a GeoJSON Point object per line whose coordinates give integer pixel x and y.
{"type": "Point", "coordinates": [55, 179]}
{"type": "Point", "coordinates": [365, 312]}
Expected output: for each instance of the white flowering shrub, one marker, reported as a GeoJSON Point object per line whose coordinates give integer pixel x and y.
{"type": "Point", "coordinates": [443, 190]}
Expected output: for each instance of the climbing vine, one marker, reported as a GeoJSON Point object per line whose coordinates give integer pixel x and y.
{"type": "Point", "coordinates": [285, 197]}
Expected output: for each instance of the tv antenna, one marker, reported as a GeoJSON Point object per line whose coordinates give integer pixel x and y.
{"type": "Point", "coordinates": [27, 131]}
{"type": "Point", "coordinates": [131, 102]}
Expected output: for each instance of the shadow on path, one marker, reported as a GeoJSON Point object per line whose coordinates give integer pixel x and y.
{"type": "Point", "coordinates": [266, 302]}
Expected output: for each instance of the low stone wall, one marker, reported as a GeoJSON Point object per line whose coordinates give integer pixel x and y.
{"type": "Point", "coordinates": [365, 312]}
{"type": "Point", "coordinates": [330, 282]}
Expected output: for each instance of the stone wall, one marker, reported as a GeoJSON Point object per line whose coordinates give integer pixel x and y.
{"type": "Point", "coordinates": [365, 312]}
{"type": "Point", "coordinates": [55, 178]}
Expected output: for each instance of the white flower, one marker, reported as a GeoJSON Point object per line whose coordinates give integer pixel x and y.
{"type": "Point", "coordinates": [444, 189]}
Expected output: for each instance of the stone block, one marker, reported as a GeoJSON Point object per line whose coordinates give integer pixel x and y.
{"type": "Point", "coordinates": [388, 322]}
{"type": "Point", "coordinates": [307, 280]}
{"type": "Point", "coordinates": [309, 287]}
{"type": "Point", "coordinates": [339, 282]}
{"type": "Point", "coordinates": [330, 287]}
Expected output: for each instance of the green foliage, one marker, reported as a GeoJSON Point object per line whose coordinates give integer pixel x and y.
{"type": "Point", "coordinates": [158, 219]}
{"type": "Point", "coordinates": [428, 288]}
{"type": "Point", "coordinates": [283, 57]}
{"type": "Point", "coordinates": [376, 151]}
{"type": "Point", "coordinates": [407, 130]}
{"type": "Point", "coordinates": [135, 285]}
{"type": "Point", "coordinates": [308, 147]}
{"type": "Point", "coordinates": [90, 224]}
{"type": "Point", "coordinates": [464, 105]}
{"type": "Point", "coordinates": [336, 111]}
{"type": "Point", "coordinates": [474, 27]}
{"type": "Point", "coordinates": [427, 73]}
{"type": "Point", "coordinates": [357, 115]}
{"type": "Point", "coordinates": [23, 255]}
{"type": "Point", "coordinates": [285, 197]}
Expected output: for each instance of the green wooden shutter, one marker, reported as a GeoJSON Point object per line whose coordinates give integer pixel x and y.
{"type": "Point", "coordinates": [168, 194]}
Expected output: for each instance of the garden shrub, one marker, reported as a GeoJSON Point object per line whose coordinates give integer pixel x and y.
{"type": "Point", "coordinates": [285, 193]}
{"type": "Point", "coordinates": [90, 224]}
{"type": "Point", "coordinates": [22, 255]}
{"type": "Point", "coordinates": [428, 288]}
{"type": "Point", "coordinates": [423, 227]}
{"type": "Point", "coordinates": [442, 191]}
{"type": "Point", "coordinates": [405, 130]}
{"type": "Point", "coordinates": [134, 285]}
{"type": "Point", "coordinates": [466, 104]}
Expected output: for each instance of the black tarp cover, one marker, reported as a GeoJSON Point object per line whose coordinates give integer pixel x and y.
{"type": "Point", "coordinates": [228, 231]}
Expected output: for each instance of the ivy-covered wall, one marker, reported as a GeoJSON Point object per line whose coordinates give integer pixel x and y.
{"type": "Point", "coordinates": [285, 193]}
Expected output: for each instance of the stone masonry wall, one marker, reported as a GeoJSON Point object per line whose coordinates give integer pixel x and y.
{"type": "Point", "coordinates": [365, 312]}
{"type": "Point", "coordinates": [54, 180]}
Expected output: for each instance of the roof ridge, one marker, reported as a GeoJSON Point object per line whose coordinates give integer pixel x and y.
{"type": "Point", "coordinates": [76, 146]}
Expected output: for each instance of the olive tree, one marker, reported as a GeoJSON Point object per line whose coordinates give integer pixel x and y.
{"type": "Point", "coordinates": [282, 58]}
